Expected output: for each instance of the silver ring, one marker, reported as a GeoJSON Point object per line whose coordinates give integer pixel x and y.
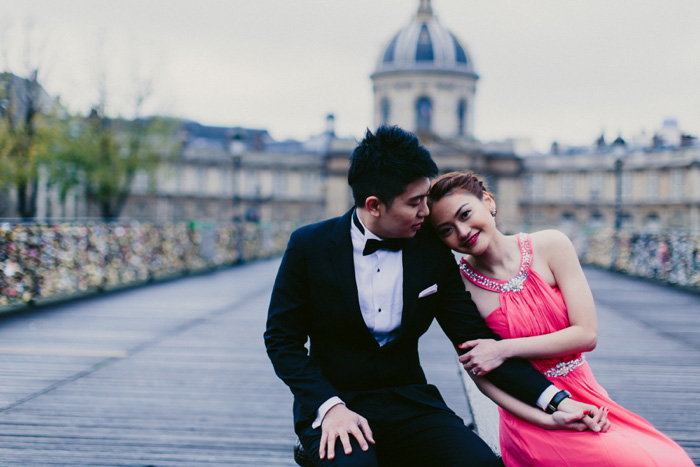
{"type": "Point", "coordinates": [474, 371]}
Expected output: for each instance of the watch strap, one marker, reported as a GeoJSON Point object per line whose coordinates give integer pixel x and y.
{"type": "Point", "coordinates": [556, 400]}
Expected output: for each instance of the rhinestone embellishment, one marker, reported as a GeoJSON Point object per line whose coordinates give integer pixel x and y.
{"type": "Point", "coordinates": [512, 285]}
{"type": "Point", "coordinates": [563, 368]}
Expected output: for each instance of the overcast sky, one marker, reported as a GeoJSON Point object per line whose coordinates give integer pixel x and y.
{"type": "Point", "coordinates": [549, 70]}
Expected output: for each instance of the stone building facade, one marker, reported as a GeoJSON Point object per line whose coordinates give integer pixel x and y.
{"type": "Point", "coordinates": [425, 81]}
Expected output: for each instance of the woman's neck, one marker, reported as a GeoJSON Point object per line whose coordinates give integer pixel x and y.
{"type": "Point", "coordinates": [501, 259]}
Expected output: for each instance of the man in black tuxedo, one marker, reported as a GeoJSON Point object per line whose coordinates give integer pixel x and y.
{"type": "Point", "coordinates": [362, 288]}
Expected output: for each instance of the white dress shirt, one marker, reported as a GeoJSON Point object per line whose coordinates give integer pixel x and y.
{"type": "Point", "coordinates": [379, 278]}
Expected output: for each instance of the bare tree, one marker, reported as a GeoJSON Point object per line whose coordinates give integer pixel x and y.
{"type": "Point", "coordinates": [23, 135]}
{"type": "Point", "coordinates": [104, 154]}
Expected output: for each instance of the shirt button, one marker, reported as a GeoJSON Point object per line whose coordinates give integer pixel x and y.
{"type": "Point", "coordinates": [378, 270]}
{"type": "Point", "coordinates": [380, 310]}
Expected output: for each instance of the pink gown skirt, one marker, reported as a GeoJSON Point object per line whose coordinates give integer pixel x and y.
{"type": "Point", "coordinates": [530, 307]}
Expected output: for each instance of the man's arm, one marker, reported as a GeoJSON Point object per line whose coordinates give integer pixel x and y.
{"type": "Point", "coordinates": [577, 417]}
{"type": "Point", "coordinates": [285, 339]}
{"type": "Point", "coordinates": [287, 332]}
{"type": "Point", "coordinates": [459, 318]}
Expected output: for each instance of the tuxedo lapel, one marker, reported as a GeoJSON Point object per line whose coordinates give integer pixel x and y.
{"type": "Point", "coordinates": [344, 269]}
{"type": "Point", "coordinates": [412, 271]}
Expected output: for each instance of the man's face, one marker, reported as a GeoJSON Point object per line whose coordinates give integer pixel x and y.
{"type": "Point", "coordinates": [407, 212]}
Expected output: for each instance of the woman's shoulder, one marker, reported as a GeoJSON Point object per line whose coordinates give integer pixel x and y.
{"type": "Point", "coordinates": [549, 237]}
{"type": "Point", "coordinates": [549, 241]}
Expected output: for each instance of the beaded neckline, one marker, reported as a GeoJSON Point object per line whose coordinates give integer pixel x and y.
{"type": "Point", "coordinates": [514, 284]}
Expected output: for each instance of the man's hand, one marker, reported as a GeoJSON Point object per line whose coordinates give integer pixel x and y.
{"type": "Point", "coordinates": [583, 416]}
{"type": "Point", "coordinates": [485, 355]}
{"type": "Point", "coordinates": [339, 423]}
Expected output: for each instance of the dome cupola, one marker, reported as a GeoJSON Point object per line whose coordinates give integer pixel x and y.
{"type": "Point", "coordinates": [424, 45]}
{"type": "Point", "coordinates": [424, 79]}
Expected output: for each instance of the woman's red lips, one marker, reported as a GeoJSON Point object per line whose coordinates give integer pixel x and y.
{"type": "Point", "coordinates": [472, 240]}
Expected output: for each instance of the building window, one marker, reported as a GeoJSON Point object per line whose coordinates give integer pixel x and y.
{"type": "Point", "coordinates": [279, 184]}
{"type": "Point", "coordinates": [537, 186]}
{"type": "Point", "coordinates": [384, 109]}
{"type": "Point", "coordinates": [626, 185]}
{"type": "Point", "coordinates": [461, 116]}
{"type": "Point", "coordinates": [308, 185]}
{"type": "Point", "coordinates": [596, 221]}
{"type": "Point", "coordinates": [201, 180]}
{"type": "Point", "coordinates": [252, 183]}
{"type": "Point", "coordinates": [567, 186]}
{"type": "Point", "coordinates": [460, 56]}
{"type": "Point", "coordinates": [424, 49]}
{"type": "Point", "coordinates": [389, 53]}
{"type": "Point", "coordinates": [652, 184]}
{"type": "Point", "coordinates": [423, 114]}
{"type": "Point", "coordinates": [676, 185]}
{"type": "Point", "coordinates": [225, 182]}
{"type": "Point", "coordinates": [596, 186]}
{"type": "Point", "coordinates": [179, 178]}
{"type": "Point", "coordinates": [652, 221]}
{"type": "Point", "coordinates": [567, 220]}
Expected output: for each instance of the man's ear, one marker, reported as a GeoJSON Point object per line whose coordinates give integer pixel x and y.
{"type": "Point", "coordinates": [374, 206]}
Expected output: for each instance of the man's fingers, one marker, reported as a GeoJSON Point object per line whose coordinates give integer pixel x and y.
{"type": "Point", "coordinates": [331, 446]}
{"type": "Point", "coordinates": [322, 446]}
{"type": "Point", "coordinates": [359, 436]}
{"type": "Point", "coordinates": [366, 430]}
{"type": "Point", "coordinates": [345, 440]}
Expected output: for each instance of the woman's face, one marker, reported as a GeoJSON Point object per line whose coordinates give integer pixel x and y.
{"type": "Point", "coordinates": [463, 221]}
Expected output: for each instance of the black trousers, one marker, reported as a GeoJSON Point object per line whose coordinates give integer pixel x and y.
{"type": "Point", "coordinates": [412, 426]}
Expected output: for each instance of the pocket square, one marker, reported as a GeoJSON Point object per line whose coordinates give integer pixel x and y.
{"type": "Point", "coordinates": [429, 291]}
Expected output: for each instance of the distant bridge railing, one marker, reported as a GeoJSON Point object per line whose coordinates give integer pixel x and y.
{"type": "Point", "coordinates": [47, 261]}
{"type": "Point", "coordinates": [672, 257]}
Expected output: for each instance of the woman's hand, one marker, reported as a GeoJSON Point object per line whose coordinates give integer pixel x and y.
{"type": "Point", "coordinates": [578, 421]}
{"type": "Point", "coordinates": [484, 356]}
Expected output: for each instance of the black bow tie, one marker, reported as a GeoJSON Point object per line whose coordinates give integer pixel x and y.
{"type": "Point", "coordinates": [372, 245]}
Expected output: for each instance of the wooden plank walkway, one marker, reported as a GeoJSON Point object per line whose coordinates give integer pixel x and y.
{"type": "Point", "coordinates": [648, 353]}
{"type": "Point", "coordinates": [175, 374]}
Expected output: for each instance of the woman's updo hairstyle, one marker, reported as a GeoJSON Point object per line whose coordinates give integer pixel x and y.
{"type": "Point", "coordinates": [456, 181]}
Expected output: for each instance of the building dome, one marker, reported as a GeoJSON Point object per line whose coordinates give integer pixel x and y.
{"type": "Point", "coordinates": [424, 80]}
{"type": "Point", "coordinates": [424, 45]}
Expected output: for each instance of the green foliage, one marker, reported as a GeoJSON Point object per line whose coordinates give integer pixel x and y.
{"type": "Point", "coordinates": [26, 133]}
{"type": "Point", "coordinates": [104, 156]}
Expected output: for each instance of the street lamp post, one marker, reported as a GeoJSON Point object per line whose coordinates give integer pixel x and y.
{"type": "Point", "coordinates": [237, 147]}
{"type": "Point", "coordinates": [618, 193]}
{"type": "Point", "coordinates": [620, 152]}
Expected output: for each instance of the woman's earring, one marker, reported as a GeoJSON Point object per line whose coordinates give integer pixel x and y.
{"type": "Point", "coordinates": [493, 213]}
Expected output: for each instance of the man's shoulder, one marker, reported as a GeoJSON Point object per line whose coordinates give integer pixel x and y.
{"type": "Point", "coordinates": [317, 229]}
{"type": "Point", "coordinates": [427, 238]}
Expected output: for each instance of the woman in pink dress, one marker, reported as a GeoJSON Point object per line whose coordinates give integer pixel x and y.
{"type": "Point", "coordinates": [531, 291]}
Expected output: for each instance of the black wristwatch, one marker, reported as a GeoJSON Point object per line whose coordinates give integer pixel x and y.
{"type": "Point", "coordinates": [556, 400]}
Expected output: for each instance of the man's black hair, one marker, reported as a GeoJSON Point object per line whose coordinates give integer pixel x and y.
{"type": "Point", "coordinates": [384, 163]}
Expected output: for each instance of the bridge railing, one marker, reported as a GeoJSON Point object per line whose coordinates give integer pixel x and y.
{"type": "Point", "coordinates": [671, 257]}
{"type": "Point", "coordinates": [44, 261]}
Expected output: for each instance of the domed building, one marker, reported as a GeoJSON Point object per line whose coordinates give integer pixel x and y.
{"type": "Point", "coordinates": [424, 80]}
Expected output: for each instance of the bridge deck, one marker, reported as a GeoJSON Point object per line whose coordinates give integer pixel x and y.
{"type": "Point", "coordinates": [175, 374]}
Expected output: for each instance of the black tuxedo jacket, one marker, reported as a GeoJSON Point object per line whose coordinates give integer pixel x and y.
{"type": "Point", "coordinates": [315, 298]}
